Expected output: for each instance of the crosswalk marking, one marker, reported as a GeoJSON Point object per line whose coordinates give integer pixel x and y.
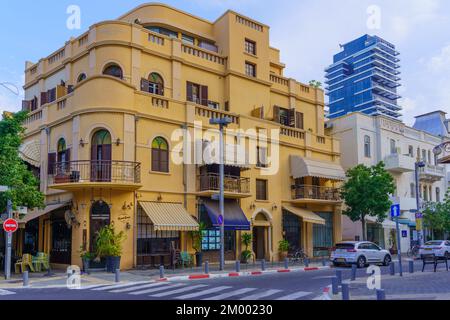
{"type": "Point", "coordinates": [264, 294]}
{"type": "Point", "coordinates": [117, 286]}
{"type": "Point", "coordinates": [203, 293]}
{"type": "Point", "coordinates": [169, 293]}
{"type": "Point", "coordinates": [294, 295]}
{"type": "Point", "coordinates": [139, 287]}
{"type": "Point", "coordinates": [6, 292]}
{"type": "Point", "coordinates": [231, 294]}
{"type": "Point", "coordinates": [157, 289]}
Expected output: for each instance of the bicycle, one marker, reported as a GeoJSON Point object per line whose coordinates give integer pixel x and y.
{"type": "Point", "coordinates": [299, 256]}
{"type": "Point", "coordinates": [413, 251]}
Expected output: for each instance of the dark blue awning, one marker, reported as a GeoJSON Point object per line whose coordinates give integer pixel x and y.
{"type": "Point", "coordinates": [235, 218]}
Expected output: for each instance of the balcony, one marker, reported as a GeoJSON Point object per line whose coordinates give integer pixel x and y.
{"type": "Point", "coordinates": [315, 194]}
{"type": "Point", "coordinates": [234, 187]}
{"type": "Point", "coordinates": [75, 175]}
{"type": "Point", "coordinates": [399, 163]}
{"type": "Point", "coordinates": [406, 203]}
{"type": "Point", "coordinates": [431, 173]}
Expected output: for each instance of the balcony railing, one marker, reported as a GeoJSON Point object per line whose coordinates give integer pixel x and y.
{"type": "Point", "coordinates": [119, 172]}
{"type": "Point", "coordinates": [232, 184]}
{"type": "Point", "coordinates": [432, 173]}
{"type": "Point", "coordinates": [300, 192]}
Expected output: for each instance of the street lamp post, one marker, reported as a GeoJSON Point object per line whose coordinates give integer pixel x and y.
{"type": "Point", "coordinates": [222, 122]}
{"type": "Point", "coordinates": [418, 165]}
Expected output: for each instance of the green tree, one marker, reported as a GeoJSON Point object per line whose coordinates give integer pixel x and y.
{"type": "Point", "coordinates": [315, 84]}
{"type": "Point", "coordinates": [367, 193]}
{"type": "Point", "coordinates": [436, 216]}
{"type": "Point", "coordinates": [24, 186]}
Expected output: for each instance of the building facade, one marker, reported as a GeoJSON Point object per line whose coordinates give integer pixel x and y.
{"type": "Point", "coordinates": [368, 140]}
{"type": "Point", "coordinates": [364, 77]}
{"type": "Point", "coordinates": [105, 113]}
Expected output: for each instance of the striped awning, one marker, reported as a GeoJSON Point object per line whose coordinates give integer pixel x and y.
{"type": "Point", "coordinates": [30, 152]}
{"type": "Point", "coordinates": [207, 152]}
{"type": "Point", "coordinates": [169, 216]}
{"type": "Point", "coordinates": [34, 214]}
{"type": "Point", "coordinates": [305, 215]}
{"type": "Point", "coordinates": [306, 167]}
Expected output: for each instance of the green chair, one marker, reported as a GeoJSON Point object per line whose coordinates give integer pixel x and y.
{"type": "Point", "coordinates": [186, 259]}
{"type": "Point", "coordinates": [22, 264]}
{"type": "Point", "coordinates": [41, 260]}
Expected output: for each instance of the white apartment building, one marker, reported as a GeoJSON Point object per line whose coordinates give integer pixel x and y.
{"type": "Point", "coordinates": [368, 140]}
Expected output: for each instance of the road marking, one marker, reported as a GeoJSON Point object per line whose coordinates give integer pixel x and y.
{"type": "Point", "coordinates": [203, 293]}
{"type": "Point", "coordinates": [231, 294]}
{"type": "Point", "coordinates": [295, 295]}
{"type": "Point", "coordinates": [139, 287]}
{"type": "Point", "coordinates": [264, 294]}
{"type": "Point", "coordinates": [117, 286]}
{"type": "Point", "coordinates": [169, 293]}
{"type": "Point", "coordinates": [6, 292]}
{"type": "Point", "coordinates": [170, 286]}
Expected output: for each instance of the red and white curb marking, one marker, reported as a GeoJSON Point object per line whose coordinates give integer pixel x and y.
{"type": "Point", "coordinates": [240, 274]}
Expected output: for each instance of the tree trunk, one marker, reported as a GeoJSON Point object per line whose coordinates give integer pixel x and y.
{"type": "Point", "coordinates": [363, 225]}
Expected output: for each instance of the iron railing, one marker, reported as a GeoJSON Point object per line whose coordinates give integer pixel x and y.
{"type": "Point", "coordinates": [95, 171]}
{"type": "Point", "coordinates": [211, 182]}
{"type": "Point", "coordinates": [315, 193]}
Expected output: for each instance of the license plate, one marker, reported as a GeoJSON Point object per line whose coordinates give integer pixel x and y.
{"type": "Point", "coordinates": [428, 249]}
{"type": "Point", "coordinates": [340, 260]}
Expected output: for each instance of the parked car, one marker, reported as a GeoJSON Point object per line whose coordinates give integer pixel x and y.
{"type": "Point", "coordinates": [440, 248]}
{"type": "Point", "coordinates": [361, 253]}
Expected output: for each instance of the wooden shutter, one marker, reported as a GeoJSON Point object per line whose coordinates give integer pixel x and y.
{"type": "Point", "coordinates": [189, 91]}
{"type": "Point", "coordinates": [26, 105]}
{"type": "Point", "coordinates": [145, 85]}
{"type": "Point", "coordinates": [68, 155]}
{"type": "Point", "coordinates": [291, 120]}
{"type": "Point", "coordinates": [261, 189]}
{"type": "Point", "coordinates": [204, 95]}
{"type": "Point", "coordinates": [276, 114]}
{"type": "Point", "coordinates": [51, 163]}
{"type": "Point", "coordinates": [156, 160]}
{"type": "Point", "coordinates": [227, 106]}
{"type": "Point", "coordinates": [164, 160]}
{"type": "Point", "coordinates": [43, 98]}
{"type": "Point", "coordinates": [299, 120]}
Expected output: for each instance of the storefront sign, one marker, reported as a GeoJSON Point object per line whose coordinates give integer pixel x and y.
{"type": "Point", "coordinates": [124, 218]}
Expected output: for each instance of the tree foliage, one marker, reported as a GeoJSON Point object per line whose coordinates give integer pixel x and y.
{"type": "Point", "coordinates": [436, 215]}
{"type": "Point", "coordinates": [24, 186]}
{"type": "Point", "coordinates": [367, 193]}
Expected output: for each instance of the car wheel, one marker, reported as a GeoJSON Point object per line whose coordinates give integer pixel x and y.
{"type": "Point", "coordinates": [387, 260]}
{"type": "Point", "coordinates": [361, 262]}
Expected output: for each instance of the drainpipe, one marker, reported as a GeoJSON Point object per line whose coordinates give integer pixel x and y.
{"type": "Point", "coordinates": [136, 120]}
{"type": "Point", "coordinates": [184, 127]}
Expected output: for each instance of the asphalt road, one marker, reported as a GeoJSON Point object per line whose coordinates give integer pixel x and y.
{"type": "Point", "coordinates": [281, 286]}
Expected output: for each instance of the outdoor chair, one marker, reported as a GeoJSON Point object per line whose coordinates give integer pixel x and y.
{"type": "Point", "coordinates": [186, 259]}
{"type": "Point", "coordinates": [41, 260]}
{"type": "Point", "coordinates": [26, 261]}
{"type": "Point", "coordinates": [432, 259]}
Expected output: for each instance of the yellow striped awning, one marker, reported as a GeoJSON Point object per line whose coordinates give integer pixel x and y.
{"type": "Point", "coordinates": [31, 152]}
{"type": "Point", "coordinates": [169, 216]}
{"type": "Point", "coordinates": [306, 215]}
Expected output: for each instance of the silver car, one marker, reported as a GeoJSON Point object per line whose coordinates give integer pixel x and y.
{"type": "Point", "coordinates": [361, 253]}
{"type": "Point", "coordinates": [440, 248]}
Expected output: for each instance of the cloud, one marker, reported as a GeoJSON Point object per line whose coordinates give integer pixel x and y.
{"type": "Point", "coordinates": [441, 62]}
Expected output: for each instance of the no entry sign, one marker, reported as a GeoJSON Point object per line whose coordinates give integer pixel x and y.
{"type": "Point", "coordinates": [10, 226]}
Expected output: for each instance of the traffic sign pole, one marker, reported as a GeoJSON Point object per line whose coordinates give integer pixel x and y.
{"type": "Point", "coordinates": [395, 213]}
{"type": "Point", "coordinates": [8, 245]}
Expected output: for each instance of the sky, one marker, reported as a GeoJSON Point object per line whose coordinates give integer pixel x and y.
{"type": "Point", "coordinates": [308, 33]}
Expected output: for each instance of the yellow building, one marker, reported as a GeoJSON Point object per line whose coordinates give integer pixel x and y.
{"type": "Point", "coordinates": [103, 109]}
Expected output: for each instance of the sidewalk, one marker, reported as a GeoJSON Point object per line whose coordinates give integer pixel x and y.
{"type": "Point", "coordinates": [59, 279]}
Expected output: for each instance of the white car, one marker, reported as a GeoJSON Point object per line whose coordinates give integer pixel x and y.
{"type": "Point", "coordinates": [361, 253]}
{"type": "Point", "coordinates": [440, 248]}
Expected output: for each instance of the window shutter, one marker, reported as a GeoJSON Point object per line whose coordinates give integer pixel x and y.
{"type": "Point", "coordinates": [155, 160]}
{"type": "Point", "coordinates": [227, 106]}
{"type": "Point", "coordinates": [189, 91]}
{"type": "Point", "coordinates": [204, 95]}
{"type": "Point", "coordinates": [43, 98]}
{"type": "Point", "coordinates": [276, 114]}
{"type": "Point", "coordinates": [164, 161]}
{"type": "Point", "coordinates": [68, 155]}
{"type": "Point", "coordinates": [25, 105]}
{"type": "Point", "coordinates": [51, 163]}
{"type": "Point", "coordinates": [291, 119]}
{"type": "Point", "coordinates": [145, 85]}
{"type": "Point", "coordinates": [299, 120]}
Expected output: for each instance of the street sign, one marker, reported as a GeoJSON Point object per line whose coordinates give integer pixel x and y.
{"type": "Point", "coordinates": [395, 210]}
{"type": "Point", "coordinates": [220, 220]}
{"type": "Point", "coordinates": [404, 234]}
{"type": "Point", "coordinates": [10, 226]}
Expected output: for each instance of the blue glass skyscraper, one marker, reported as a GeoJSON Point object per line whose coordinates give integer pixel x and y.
{"type": "Point", "coordinates": [364, 77]}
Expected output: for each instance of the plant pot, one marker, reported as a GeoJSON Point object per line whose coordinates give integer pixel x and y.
{"type": "Point", "coordinates": [283, 255]}
{"type": "Point", "coordinates": [112, 264]}
{"type": "Point", "coordinates": [86, 264]}
{"type": "Point", "coordinates": [199, 259]}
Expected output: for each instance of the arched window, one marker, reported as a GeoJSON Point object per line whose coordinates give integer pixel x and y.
{"type": "Point", "coordinates": [367, 151]}
{"type": "Point", "coordinates": [156, 84]}
{"type": "Point", "coordinates": [101, 137]}
{"type": "Point", "coordinates": [81, 77]}
{"type": "Point", "coordinates": [62, 150]}
{"type": "Point", "coordinates": [113, 70]}
{"type": "Point", "coordinates": [101, 155]}
{"type": "Point", "coordinates": [160, 155]}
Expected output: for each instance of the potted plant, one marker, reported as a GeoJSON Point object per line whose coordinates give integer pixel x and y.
{"type": "Point", "coordinates": [246, 255]}
{"type": "Point", "coordinates": [86, 258]}
{"type": "Point", "coordinates": [197, 238]}
{"type": "Point", "coordinates": [109, 246]}
{"type": "Point", "coordinates": [283, 249]}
